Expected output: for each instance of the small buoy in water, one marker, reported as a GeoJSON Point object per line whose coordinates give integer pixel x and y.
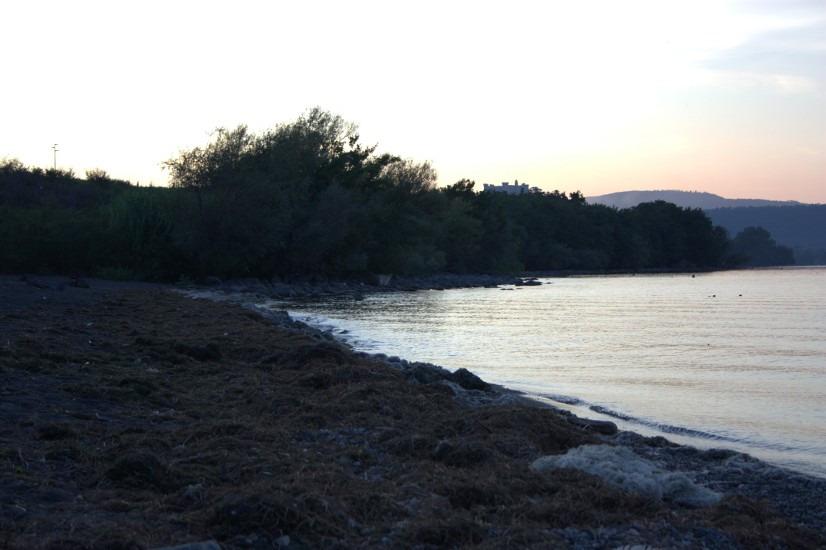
{"type": "Point", "coordinates": [692, 275]}
{"type": "Point", "coordinates": [739, 294]}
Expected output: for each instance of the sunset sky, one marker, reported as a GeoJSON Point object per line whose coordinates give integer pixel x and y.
{"type": "Point", "coordinates": [598, 96]}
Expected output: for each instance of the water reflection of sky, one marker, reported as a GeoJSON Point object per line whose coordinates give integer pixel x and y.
{"type": "Point", "coordinates": [741, 353]}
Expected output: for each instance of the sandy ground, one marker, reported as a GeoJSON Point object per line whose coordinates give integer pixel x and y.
{"type": "Point", "coordinates": [135, 417]}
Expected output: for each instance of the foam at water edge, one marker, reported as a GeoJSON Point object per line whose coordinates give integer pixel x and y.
{"type": "Point", "coordinates": [331, 327]}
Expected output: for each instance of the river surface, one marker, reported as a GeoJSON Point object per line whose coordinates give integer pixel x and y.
{"type": "Point", "coordinates": [731, 359]}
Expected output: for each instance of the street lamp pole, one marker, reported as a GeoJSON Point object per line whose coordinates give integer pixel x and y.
{"type": "Point", "coordinates": [55, 149]}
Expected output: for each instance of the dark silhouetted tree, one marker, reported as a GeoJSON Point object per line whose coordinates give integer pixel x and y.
{"type": "Point", "coordinates": [756, 247]}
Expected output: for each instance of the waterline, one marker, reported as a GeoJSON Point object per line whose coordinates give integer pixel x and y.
{"type": "Point", "coordinates": [731, 359]}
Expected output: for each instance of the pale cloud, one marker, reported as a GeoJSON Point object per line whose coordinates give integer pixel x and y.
{"type": "Point", "coordinates": [790, 58]}
{"type": "Point", "coordinates": [779, 83]}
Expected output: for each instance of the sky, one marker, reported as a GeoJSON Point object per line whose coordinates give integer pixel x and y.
{"type": "Point", "coordinates": [597, 96]}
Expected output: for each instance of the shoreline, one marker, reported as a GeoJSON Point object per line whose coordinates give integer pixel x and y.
{"type": "Point", "coordinates": [660, 271]}
{"type": "Point", "coordinates": [670, 455]}
{"type": "Point", "coordinates": [684, 434]}
{"type": "Point", "coordinates": [583, 411]}
{"type": "Point", "coordinates": [304, 289]}
{"type": "Point", "coordinates": [357, 289]}
{"type": "Point", "coordinates": [313, 287]}
{"type": "Point", "coordinates": [133, 413]}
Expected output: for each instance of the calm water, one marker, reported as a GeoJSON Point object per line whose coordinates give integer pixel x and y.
{"type": "Point", "coordinates": [733, 359]}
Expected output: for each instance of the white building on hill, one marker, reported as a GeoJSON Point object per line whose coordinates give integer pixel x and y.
{"type": "Point", "coordinates": [506, 187]}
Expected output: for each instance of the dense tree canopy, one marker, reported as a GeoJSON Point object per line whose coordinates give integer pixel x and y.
{"type": "Point", "coordinates": [756, 247]}
{"type": "Point", "coordinates": [308, 199]}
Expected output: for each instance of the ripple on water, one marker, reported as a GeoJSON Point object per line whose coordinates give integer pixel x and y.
{"type": "Point", "coordinates": [747, 367]}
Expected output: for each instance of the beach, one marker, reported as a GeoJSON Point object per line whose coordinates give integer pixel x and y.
{"type": "Point", "coordinates": [133, 416]}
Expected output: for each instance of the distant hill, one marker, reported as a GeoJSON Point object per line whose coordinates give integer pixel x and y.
{"type": "Point", "coordinates": [801, 226]}
{"type": "Point", "coordinates": [686, 199]}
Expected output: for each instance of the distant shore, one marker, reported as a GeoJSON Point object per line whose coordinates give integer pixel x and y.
{"type": "Point", "coordinates": [314, 287]}
{"type": "Point", "coordinates": [674, 271]}
{"type": "Point", "coordinates": [135, 415]}
{"type": "Point", "coordinates": [307, 287]}
{"type": "Point", "coordinates": [319, 288]}
{"type": "Point", "coordinates": [310, 288]}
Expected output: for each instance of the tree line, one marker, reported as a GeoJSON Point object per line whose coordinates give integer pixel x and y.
{"type": "Point", "coordinates": [308, 199]}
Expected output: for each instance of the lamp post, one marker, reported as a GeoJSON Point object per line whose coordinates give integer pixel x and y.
{"type": "Point", "coordinates": [55, 149]}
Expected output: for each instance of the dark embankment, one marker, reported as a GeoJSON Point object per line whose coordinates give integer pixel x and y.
{"type": "Point", "coordinates": [136, 417]}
